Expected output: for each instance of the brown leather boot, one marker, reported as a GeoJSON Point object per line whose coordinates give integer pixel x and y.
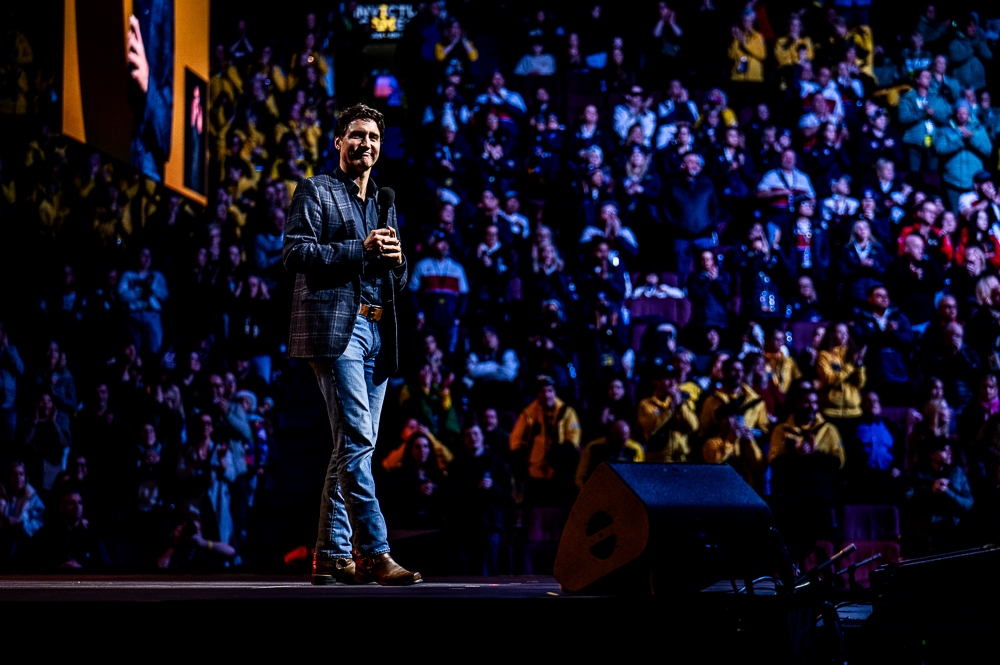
{"type": "Point", "coordinates": [382, 569]}
{"type": "Point", "coordinates": [330, 571]}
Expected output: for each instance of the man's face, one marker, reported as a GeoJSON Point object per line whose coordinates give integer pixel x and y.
{"type": "Point", "coordinates": [962, 114]}
{"type": "Point", "coordinates": [880, 298]}
{"type": "Point", "coordinates": [924, 79]}
{"type": "Point", "coordinates": [547, 396]}
{"type": "Point", "coordinates": [734, 373]}
{"type": "Point", "coordinates": [601, 252]}
{"type": "Point", "coordinates": [788, 160]}
{"type": "Point", "coordinates": [71, 508]}
{"type": "Point", "coordinates": [823, 77]}
{"type": "Point", "coordinates": [775, 341]}
{"type": "Point", "coordinates": [872, 404]}
{"type": "Point", "coordinates": [474, 441]}
{"type": "Point", "coordinates": [806, 288]}
{"type": "Point", "coordinates": [18, 478]}
{"type": "Point", "coordinates": [809, 406]}
{"type": "Point", "coordinates": [948, 308]}
{"type": "Point", "coordinates": [490, 419]}
{"type": "Point", "coordinates": [218, 386]}
{"type": "Point", "coordinates": [616, 390]}
{"type": "Point", "coordinates": [692, 165]}
{"type": "Point", "coordinates": [359, 146]}
{"type": "Point", "coordinates": [635, 97]}
{"type": "Point", "coordinates": [619, 433]}
{"type": "Point", "coordinates": [441, 248]}
{"type": "Point", "coordinates": [913, 246]}
{"type": "Point", "coordinates": [497, 80]}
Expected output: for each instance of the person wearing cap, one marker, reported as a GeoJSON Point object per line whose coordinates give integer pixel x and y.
{"type": "Point", "coordinates": [635, 111]}
{"type": "Point", "coordinates": [984, 196]}
{"type": "Point", "coordinates": [349, 271]}
{"type": "Point", "coordinates": [667, 417]}
{"type": "Point", "coordinates": [921, 113]}
{"type": "Point", "coordinates": [963, 147]}
{"type": "Point", "coordinates": [545, 445]}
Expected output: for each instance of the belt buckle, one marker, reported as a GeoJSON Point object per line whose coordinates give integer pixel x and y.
{"type": "Point", "coordinates": [371, 312]}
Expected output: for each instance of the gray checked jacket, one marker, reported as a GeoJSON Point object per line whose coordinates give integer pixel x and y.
{"type": "Point", "coordinates": [323, 247]}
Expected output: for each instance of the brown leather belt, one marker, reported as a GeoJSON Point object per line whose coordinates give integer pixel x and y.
{"type": "Point", "coordinates": [370, 312]}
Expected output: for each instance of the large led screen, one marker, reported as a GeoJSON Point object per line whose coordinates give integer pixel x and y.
{"type": "Point", "coordinates": [135, 85]}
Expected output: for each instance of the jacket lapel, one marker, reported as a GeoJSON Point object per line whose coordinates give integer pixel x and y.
{"type": "Point", "coordinates": [344, 207]}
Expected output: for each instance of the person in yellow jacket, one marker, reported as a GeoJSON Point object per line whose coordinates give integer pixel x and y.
{"type": "Point", "coordinates": [781, 366]}
{"type": "Point", "coordinates": [667, 418]}
{"type": "Point", "coordinates": [840, 373]}
{"type": "Point", "coordinates": [736, 396]}
{"type": "Point", "coordinates": [394, 458]}
{"type": "Point", "coordinates": [747, 51]}
{"type": "Point", "coordinates": [546, 441]}
{"type": "Point", "coordinates": [794, 48]}
{"type": "Point", "coordinates": [807, 432]}
{"type": "Point", "coordinates": [617, 446]}
{"type": "Point", "coordinates": [736, 445]}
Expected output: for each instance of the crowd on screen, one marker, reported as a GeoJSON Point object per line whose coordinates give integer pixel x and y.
{"type": "Point", "coordinates": [761, 234]}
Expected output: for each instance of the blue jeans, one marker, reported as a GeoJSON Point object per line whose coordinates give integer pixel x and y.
{"type": "Point", "coordinates": [354, 388]}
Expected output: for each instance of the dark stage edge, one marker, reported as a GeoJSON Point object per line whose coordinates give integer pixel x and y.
{"type": "Point", "coordinates": [251, 588]}
{"type": "Point", "coordinates": [498, 618]}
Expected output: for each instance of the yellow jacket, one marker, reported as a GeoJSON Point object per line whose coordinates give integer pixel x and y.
{"type": "Point", "coordinates": [784, 370]}
{"type": "Point", "coordinates": [394, 459]}
{"type": "Point", "coordinates": [754, 50]}
{"type": "Point", "coordinates": [755, 417]}
{"type": "Point", "coordinates": [655, 415]}
{"type": "Point", "coordinates": [729, 450]}
{"type": "Point", "coordinates": [840, 384]}
{"type": "Point", "coordinates": [788, 435]}
{"type": "Point", "coordinates": [786, 50]}
{"type": "Point", "coordinates": [590, 458]}
{"type": "Point", "coordinates": [530, 432]}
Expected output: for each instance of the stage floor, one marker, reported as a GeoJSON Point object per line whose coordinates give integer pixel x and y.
{"type": "Point", "coordinates": [146, 589]}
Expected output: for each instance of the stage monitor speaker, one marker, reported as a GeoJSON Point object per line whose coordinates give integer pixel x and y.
{"type": "Point", "coordinates": [662, 528]}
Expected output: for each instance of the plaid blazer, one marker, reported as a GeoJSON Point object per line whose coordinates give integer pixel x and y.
{"type": "Point", "coordinates": [323, 247]}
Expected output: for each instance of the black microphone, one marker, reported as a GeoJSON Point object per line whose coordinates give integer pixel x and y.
{"type": "Point", "coordinates": [385, 199]}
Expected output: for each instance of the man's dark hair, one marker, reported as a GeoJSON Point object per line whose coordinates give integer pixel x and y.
{"type": "Point", "coordinates": [359, 112]}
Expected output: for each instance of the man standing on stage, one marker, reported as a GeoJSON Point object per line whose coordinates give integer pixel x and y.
{"type": "Point", "coordinates": [342, 241]}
